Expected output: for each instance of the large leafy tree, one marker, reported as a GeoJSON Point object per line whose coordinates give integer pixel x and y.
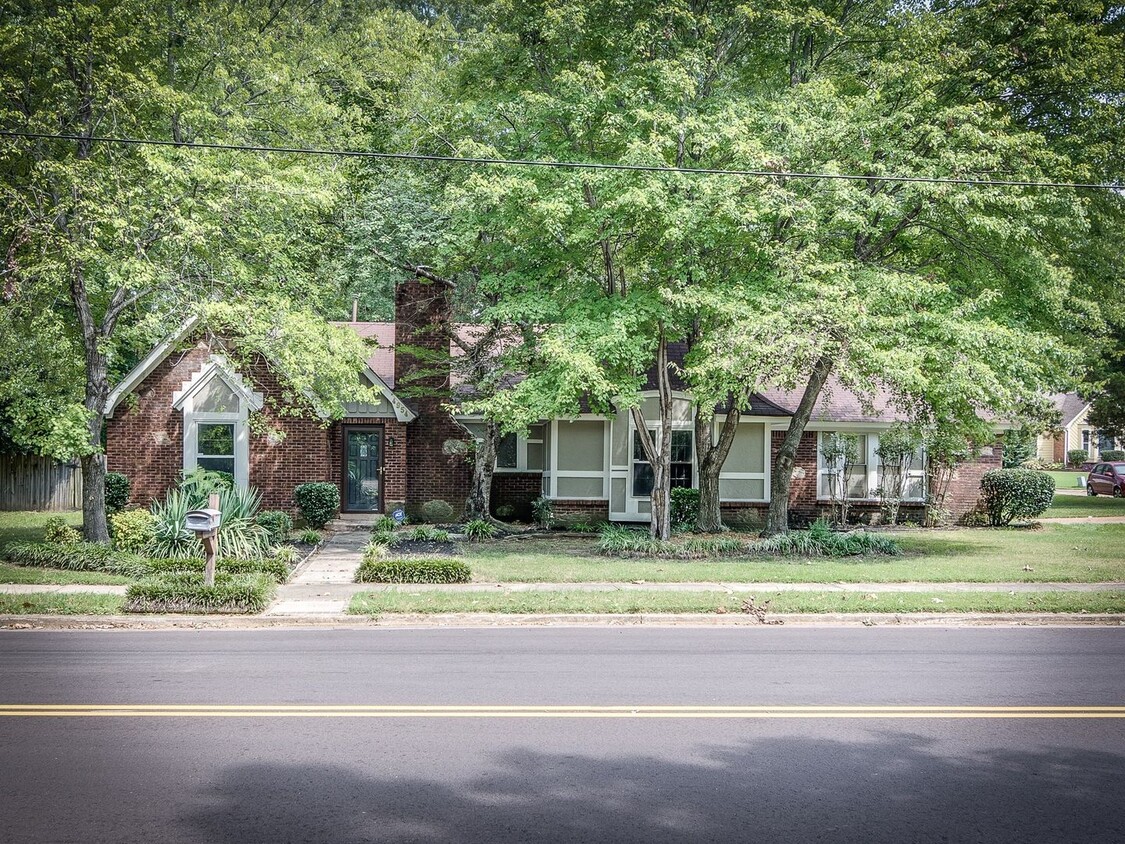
{"type": "Point", "coordinates": [109, 244]}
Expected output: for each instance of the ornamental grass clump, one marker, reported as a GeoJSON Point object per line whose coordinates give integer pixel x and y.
{"type": "Point", "coordinates": [421, 570]}
{"type": "Point", "coordinates": [185, 592]}
{"type": "Point", "coordinates": [821, 541]}
{"type": "Point", "coordinates": [273, 567]}
{"type": "Point", "coordinates": [76, 556]}
{"type": "Point", "coordinates": [625, 542]}
{"type": "Point", "coordinates": [239, 534]}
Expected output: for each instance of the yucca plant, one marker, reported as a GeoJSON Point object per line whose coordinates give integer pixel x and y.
{"type": "Point", "coordinates": [240, 537]}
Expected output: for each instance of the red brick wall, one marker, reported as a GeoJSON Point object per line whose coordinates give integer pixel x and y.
{"type": "Point", "coordinates": [517, 490]}
{"type": "Point", "coordinates": [146, 442]}
{"type": "Point", "coordinates": [964, 489]}
{"type": "Point", "coordinates": [591, 509]}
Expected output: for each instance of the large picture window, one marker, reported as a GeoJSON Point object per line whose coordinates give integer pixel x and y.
{"type": "Point", "coordinates": [859, 474]}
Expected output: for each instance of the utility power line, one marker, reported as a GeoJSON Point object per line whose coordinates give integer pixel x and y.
{"type": "Point", "coordinates": [562, 165]}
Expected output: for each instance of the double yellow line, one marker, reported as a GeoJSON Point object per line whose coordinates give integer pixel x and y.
{"type": "Point", "coordinates": [67, 710]}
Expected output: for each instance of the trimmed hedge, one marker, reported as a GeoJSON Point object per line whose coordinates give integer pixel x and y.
{"type": "Point", "coordinates": [185, 593]}
{"type": "Point", "coordinates": [132, 530]}
{"type": "Point", "coordinates": [318, 502]}
{"type": "Point", "coordinates": [421, 570]}
{"type": "Point", "coordinates": [1115, 455]}
{"type": "Point", "coordinates": [277, 525]}
{"type": "Point", "coordinates": [684, 506]}
{"type": "Point", "coordinates": [116, 492]}
{"type": "Point", "coordinates": [1011, 494]}
{"type": "Point", "coordinates": [277, 570]}
{"type": "Point", "coordinates": [77, 556]}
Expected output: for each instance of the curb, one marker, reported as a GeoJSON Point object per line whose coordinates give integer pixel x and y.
{"type": "Point", "coordinates": [498, 620]}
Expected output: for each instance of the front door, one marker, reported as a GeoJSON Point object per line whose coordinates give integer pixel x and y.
{"type": "Point", "coordinates": [363, 463]}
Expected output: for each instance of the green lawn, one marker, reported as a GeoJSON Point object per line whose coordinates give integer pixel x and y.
{"type": "Point", "coordinates": [376, 603]}
{"type": "Point", "coordinates": [1068, 506]}
{"type": "Point", "coordinates": [31, 574]}
{"type": "Point", "coordinates": [1063, 553]}
{"type": "Point", "coordinates": [54, 604]}
{"type": "Point", "coordinates": [1066, 479]}
{"type": "Point", "coordinates": [22, 526]}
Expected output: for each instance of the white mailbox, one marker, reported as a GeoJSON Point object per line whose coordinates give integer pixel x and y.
{"type": "Point", "coordinates": [203, 521]}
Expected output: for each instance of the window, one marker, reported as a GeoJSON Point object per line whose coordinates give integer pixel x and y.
{"type": "Point", "coordinates": [1086, 441]}
{"type": "Point", "coordinates": [215, 446]}
{"type": "Point", "coordinates": [864, 472]}
{"type": "Point", "coordinates": [681, 472]}
{"type": "Point", "coordinates": [515, 453]}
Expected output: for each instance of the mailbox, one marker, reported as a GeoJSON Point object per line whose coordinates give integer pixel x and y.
{"type": "Point", "coordinates": [203, 521]}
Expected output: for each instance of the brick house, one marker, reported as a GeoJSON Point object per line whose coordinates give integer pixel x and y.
{"type": "Point", "coordinates": [184, 406]}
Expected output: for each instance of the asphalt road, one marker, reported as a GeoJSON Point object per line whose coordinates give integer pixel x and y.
{"type": "Point", "coordinates": [220, 775]}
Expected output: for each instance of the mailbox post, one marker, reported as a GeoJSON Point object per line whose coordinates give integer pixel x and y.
{"type": "Point", "coordinates": [205, 525]}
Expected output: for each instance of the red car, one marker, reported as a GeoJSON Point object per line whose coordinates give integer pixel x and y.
{"type": "Point", "coordinates": [1106, 479]}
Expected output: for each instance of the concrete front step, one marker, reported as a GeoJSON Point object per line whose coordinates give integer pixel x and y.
{"type": "Point", "coordinates": [354, 521]}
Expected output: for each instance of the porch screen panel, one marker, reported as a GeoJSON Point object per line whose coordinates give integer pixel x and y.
{"type": "Point", "coordinates": [619, 440]}
{"type": "Point", "coordinates": [742, 489]}
{"type": "Point", "coordinates": [747, 452]}
{"type": "Point", "coordinates": [617, 494]}
{"type": "Point", "coordinates": [580, 487]}
{"type": "Point", "coordinates": [581, 446]}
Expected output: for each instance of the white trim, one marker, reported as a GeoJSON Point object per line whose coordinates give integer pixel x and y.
{"type": "Point", "coordinates": [873, 463]}
{"type": "Point", "coordinates": [402, 412]}
{"type": "Point", "coordinates": [216, 367]}
{"type": "Point", "coordinates": [767, 463]}
{"type": "Point", "coordinates": [147, 366]}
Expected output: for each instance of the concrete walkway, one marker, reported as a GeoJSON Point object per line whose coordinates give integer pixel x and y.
{"type": "Point", "coordinates": [324, 583]}
{"type": "Point", "coordinates": [1085, 520]}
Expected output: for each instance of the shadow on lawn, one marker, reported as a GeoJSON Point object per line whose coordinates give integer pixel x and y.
{"type": "Point", "coordinates": [890, 786]}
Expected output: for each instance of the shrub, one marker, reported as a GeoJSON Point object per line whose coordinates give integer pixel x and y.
{"type": "Point", "coordinates": [185, 592]}
{"type": "Point", "coordinates": [309, 537]}
{"type": "Point", "coordinates": [287, 554]}
{"type": "Point", "coordinates": [820, 541]}
{"type": "Point", "coordinates": [716, 546]}
{"type": "Point", "coordinates": [57, 532]}
{"type": "Point", "coordinates": [132, 530]}
{"type": "Point", "coordinates": [199, 483]}
{"type": "Point", "coordinates": [685, 507]}
{"type": "Point", "coordinates": [479, 529]}
{"type": "Point", "coordinates": [273, 567]}
{"type": "Point", "coordinates": [239, 535]}
{"type": "Point", "coordinates": [1113, 455]}
{"type": "Point", "coordinates": [277, 525]}
{"type": "Point", "coordinates": [318, 502]}
{"type": "Point", "coordinates": [542, 510]}
{"type": "Point", "coordinates": [382, 537]}
{"type": "Point", "coordinates": [77, 556]}
{"type": "Point", "coordinates": [425, 533]}
{"type": "Point", "coordinates": [437, 511]}
{"type": "Point", "coordinates": [116, 492]}
{"type": "Point", "coordinates": [385, 524]}
{"type": "Point", "coordinates": [1015, 494]}
{"type": "Point", "coordinates": [505, 512]}
{"type": "Point", "coordinates": [1076, 457]}
{"type": "Point", "coordinates": [413, 571]}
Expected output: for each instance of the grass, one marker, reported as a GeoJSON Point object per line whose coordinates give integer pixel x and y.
{"type": "Point", "coordinates": [1071, 506]}
{"type": "Point", "coordinates": [376, 603]}
{"type": "Point", "coordinates": [54, 604]}
{"type": "Point", "coordinates": [23, 526]}
{"type": "Point", "coordinates": [28, 574]}
{"type": "Point", "coordinates": [1065, 478]}
{"type": "Point", "coordinates": [1062, 553]}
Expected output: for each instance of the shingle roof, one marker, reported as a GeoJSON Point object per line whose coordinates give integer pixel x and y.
{"type": "Point", "coordinates": [1070, 405]}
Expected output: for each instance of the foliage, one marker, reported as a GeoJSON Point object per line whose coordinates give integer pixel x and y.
{"type": "Point", "coordinates": [840, 453]}
{"type": "Point", "coordinates": [426, 533]}
{"type": "Point", "coordinates": [437, 511]}
{"type": "Point", "coordinates": [309, 537]}
{"type": "Point", "coordinates": [185, 592]}
{"type": "Point", "coordinates": [685, 507]}
{"type": "Point", "coordinates": [57, 532]}
{"type": "Point", "coordinates": [199, 483]}
{"type": "Point", "coordinates": [385, 524]}
{"type": "Point", "coordinates": [76, 556]}
{"type": "Point", "coordinates": [287, 554]}
{"type": "Point", "coordinates": [239, 535]}
{"type": "Point", "coordinates": [132, 530]}
{"type": "Point", "coordinates": [478, 529]}
{"type": "Point", "coordinates": [1019, 446]}
{"type": "Point", "coordinates": [1076, 457]}
{"type": "Point", "coordinates": [1015, 494]}
{"type": "Point", "coordinates": [277, 524]}
{"type": "Point", "coordinates": [623, 541]}
{"type": "Point", "coordinates": [382, 537]}
{"type": "Point", "coordinates": [542, 510]}
{"type": "Point", "coordinates": [116, 492]}
{"type": "Point", "coordinates": [821, 541]}
{"type": "Point", "coordinates": [413, 571]}
{"type": "Point", "coordinates": [318, 502]}
{"type": "Point", "coordinates": [896, 449]}
{"type": "Point", "coordinates": [1113, 455]}
{"type": "Point", "coordinates": [947, 446]}
{"type": "Point", "coordinates": [505, 512]}
{"type": "Point", "coordinates": [275, 567]}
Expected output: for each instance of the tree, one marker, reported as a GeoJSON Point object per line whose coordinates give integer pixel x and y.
{"type": "Point", "coordinates": [132, 237]}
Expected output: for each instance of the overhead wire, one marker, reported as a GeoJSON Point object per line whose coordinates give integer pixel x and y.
{"type": "Point", "coordinates": [568, 165]}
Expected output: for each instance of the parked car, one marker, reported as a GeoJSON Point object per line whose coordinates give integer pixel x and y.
{"type": "Point", "coordinates": [1106, 479]}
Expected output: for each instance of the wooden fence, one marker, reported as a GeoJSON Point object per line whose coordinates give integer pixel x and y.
{"type": "Point", "coordinates": [39, 483]}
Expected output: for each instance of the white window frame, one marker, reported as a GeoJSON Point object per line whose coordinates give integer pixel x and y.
{"type": "Point", "coordinates": [872, 463]}
{"type": "Point", "coordinates": [521, 466]}
{"type": "Point", "coordinates": [764, 477]}
{"type": "Point", "coordinates": [184, 401]}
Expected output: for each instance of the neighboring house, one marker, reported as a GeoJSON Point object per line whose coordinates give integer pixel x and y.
{"type": "Point", "coordinates": [184, 406]}
{"type": "Point", "coordinates": [1073, 432]}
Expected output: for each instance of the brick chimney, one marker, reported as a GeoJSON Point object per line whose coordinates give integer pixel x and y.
{"type": "Point", "coordinates": [423, 320]}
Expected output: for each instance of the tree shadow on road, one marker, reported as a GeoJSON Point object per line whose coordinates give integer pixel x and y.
{"type": "Point", "coordinates": [885, 786]}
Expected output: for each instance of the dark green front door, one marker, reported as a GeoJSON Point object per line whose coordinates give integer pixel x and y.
{"type": "Point", "coordinates": [363, 450]}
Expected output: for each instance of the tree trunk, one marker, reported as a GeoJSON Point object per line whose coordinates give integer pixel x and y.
{"type": "Point", "coordinates": [712, 456]}
{"type": "Point", "coordinates": [94, 527]}
{"type": "Point", "coordinates": [659, 454]}
{"type": "Point", "coordinates": [480, 492]}
{"type": "Point", "coordinates": [778, 519]}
